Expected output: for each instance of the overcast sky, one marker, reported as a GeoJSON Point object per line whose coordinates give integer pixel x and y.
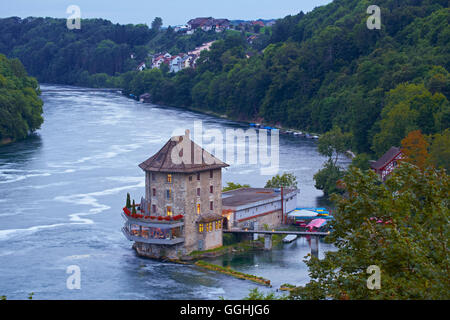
{"type": "Point", "coordinates": [173, 12]}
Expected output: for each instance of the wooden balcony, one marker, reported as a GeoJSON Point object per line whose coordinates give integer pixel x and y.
{"type": "Point", "coordinates": [137, 238]}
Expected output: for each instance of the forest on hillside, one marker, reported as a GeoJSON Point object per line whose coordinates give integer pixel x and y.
{"type": "Point", "coordinates": [325, 69]}
{"type": "Point", "coordinates": [20, 105]}
{"type": "Point", "coordinates": [311, 72]}
{"type": "Point", "coordinates": [88, 56]}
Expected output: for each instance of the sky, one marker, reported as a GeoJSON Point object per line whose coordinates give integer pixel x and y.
{"type": "Point", "coordinates": [173, 12]}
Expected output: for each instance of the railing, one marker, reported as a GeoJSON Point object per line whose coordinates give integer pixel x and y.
{"type": "Point", "coordinates": [299, 233]}
{"type": "Point", "coordinates": [136, 238]}
{"type": "Point", "coordinates": [163, 224]}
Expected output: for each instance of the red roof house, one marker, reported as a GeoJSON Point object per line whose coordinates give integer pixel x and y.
{"type": "Point", "coordinates": [388, 162]}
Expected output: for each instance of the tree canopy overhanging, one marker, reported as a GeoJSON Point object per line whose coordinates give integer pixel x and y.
{"type": "Point", "coordinates": [20, 105]}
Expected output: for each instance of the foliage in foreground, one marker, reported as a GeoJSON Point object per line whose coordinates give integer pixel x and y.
{"type": "Point", "coordinates": [401, 226]}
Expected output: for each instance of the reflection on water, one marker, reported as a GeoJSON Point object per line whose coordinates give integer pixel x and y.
{"type": "Point", "coordinates": [62, 189]}
{"type": "Point", "coordinates": [283, 264]}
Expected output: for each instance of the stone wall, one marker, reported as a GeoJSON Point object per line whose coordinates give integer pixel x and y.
{"type": "Point", "coordinates": [212, 239]}
{"type": "Point", "coordinates": [184, 200]}
{"type": "Point", "coordinates": [192, 199]}
{"type": "Point", "coordinates": [273, 220]}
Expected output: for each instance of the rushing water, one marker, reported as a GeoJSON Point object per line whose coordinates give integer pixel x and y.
{"type": "Point", "coordinates": [62, 190]}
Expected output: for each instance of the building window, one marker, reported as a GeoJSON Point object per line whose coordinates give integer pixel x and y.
{"type": "Point", "coordinates": [211, 174]}
{"type": "Point", "coordinates": [153, 177]}
{"type": "Point", "coordinates": [198, 176]}
{"type": "Point", "coordinates": [209, 227]}
{"type": "Point", "coordinates": [200, 227]}
{"type": "Point", "coordinates": [198, 192]}
{"type": "Point", "coordinates": [154, 208]}
{"type": "Point", "coordinates": [211, 205]}
{"type": "Point", "coordinates": [218, 224]}
{"type": "Point", "coordinates": [190, 178]}
{"type": "Point", "coordinates": [211, 189]}
{"type": "Point", "coordinates": [154, 192]}
{"type": "Point", "coordinates": [169, 178]}
{"type": "Point", "coordinates": [169, 210]}
{"type": "Point", "coordinates": [169, 194]}
{"type": "Point", "coordinates": [198, 208]}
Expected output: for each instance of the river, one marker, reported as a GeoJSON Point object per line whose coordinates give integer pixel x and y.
{"type": "Point", "coordinates": [62, 190]}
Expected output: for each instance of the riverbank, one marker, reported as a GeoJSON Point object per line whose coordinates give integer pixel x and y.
{"type": "Point", "coordinates": [248, 122]}
{"type": "Point", "coordinates": [234, 273]}
{"type": "Point", "coordinates": [5, 141]}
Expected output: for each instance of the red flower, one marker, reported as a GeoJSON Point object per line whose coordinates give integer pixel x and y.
{"type": "Point", "coordinates": [160, 218]}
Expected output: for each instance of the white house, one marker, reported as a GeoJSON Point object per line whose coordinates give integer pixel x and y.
{"type": "Point", "coordinates": [176, 64]}
{"type": "Point", "coordinates": [141, 66]}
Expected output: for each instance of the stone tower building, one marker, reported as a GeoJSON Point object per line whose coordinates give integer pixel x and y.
{"type": "Point", "coordinates": [181, 211]}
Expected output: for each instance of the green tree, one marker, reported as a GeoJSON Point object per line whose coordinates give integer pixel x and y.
{"type": "Point", "coordinates": [232, 186]}
{"type": "Point", "coordinates": [440, 150]}
{"type": "Point", "coordinates": [133, 210]}
{"type": "Point", "coordinates": [327, 178]}
{"type": "Point", "coordinates": [157, 23]}
{"type": "Point", "coordinates": [334, 143]}
{"type": "Point", "coordinates": [255, 294]}
{"type": "Point", "coordinates": [128, 204]}
{"type": "Point", "coordinates": [401, 226]}
{"type": "Point", "coordinates": [361, 161]}
{"type": "Point", "coordinates": [287, 180]}
{"type": "Point", "coordinates": [20, 106]}
{"type": "Point", "coordinates": [410, 107]}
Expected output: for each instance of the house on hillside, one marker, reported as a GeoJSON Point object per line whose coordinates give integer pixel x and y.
{"type": "Point", "coordinates": [221, 24]}
{"type": "Point", "coordinates": [258, 22]}
{"type": "Point", "coordinates": [198, 22]}
{"type": "Point", "coordinates": [208, 24]}
{"type": "Point", "coordinates": [157, 62]}
{"type": "Point", "coordinates": [141, 66]}
{"type": "Point", "coordinates": [176, 64]}
{"type": "Point", "coordinates": [388, 162]}
{"type": "Point", "coordinates": [252, 38]}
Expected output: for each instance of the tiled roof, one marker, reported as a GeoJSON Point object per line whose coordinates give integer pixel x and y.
{"type": "Point", "coordinates": [244, 196]}
{"type": "Point", "coordinates": [386, 158]}
{"type": "Point", "coordinates": [163, 160]}
{"type": "Point", "coordinates": [209, 217]}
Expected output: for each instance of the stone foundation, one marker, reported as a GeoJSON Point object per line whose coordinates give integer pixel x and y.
{"type": "Point", "coordinates": [159, 251]}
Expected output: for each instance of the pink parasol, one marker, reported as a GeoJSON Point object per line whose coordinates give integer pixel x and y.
{"type": "Point", "coordinates": [316, 223]}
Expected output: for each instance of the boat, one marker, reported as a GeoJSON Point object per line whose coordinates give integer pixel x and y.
{"type": "Point", "coordinates": [302, 216]}
{"type": "Point", "coordinates": [289, 238]}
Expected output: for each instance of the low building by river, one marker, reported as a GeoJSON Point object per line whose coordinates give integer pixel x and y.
{"type": "Point", "coordinates": [256, 208]}
{"type": "Point", "coordinates": [181, 211]}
